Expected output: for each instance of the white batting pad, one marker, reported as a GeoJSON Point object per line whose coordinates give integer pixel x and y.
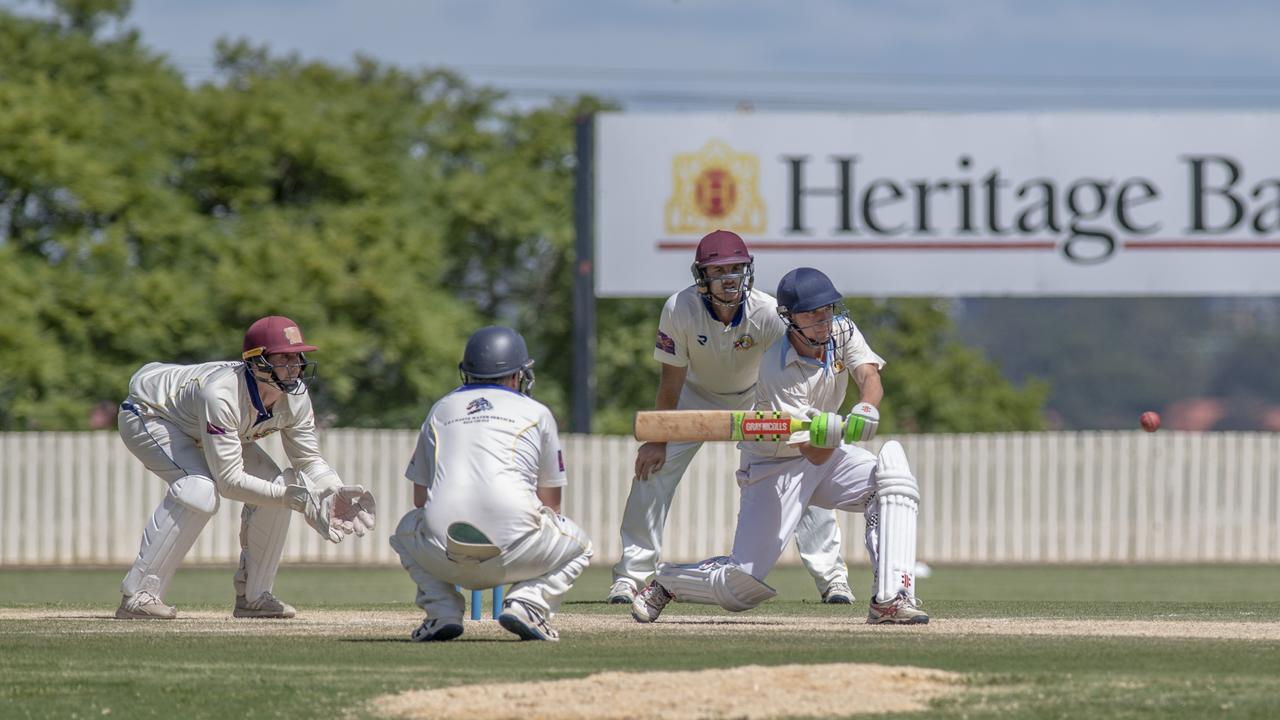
{"type": "Point", "coordinates": [716, 581]}
{"type": "Point", "coordinates": [170, 533]}
{"type": "Point", "coordinates": [898, 503]}
{"type": "Point", "coordinates": [263, 529]}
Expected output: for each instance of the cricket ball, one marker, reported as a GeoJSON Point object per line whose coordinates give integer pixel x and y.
{"type": "Point", "coordinates": [1150, 421]}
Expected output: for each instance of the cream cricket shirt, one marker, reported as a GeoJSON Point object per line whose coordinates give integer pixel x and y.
{"type": "Point", "coordinates": [217, 405]}
{"type": "Point", "coordinates": [793, 383]}
{"type": "Point", "coordinates": [723, 360]}
{"type": "Point", "coordinates": [482, 453]}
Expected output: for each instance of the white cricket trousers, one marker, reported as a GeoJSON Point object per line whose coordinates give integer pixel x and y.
{"type": "Point", "coordinates": [775, 493]}
{"type": "Point", "coordinates": [542, 565]}
{"type": "Point", "coordinates": [645, 517]}
{"type": "Point", "coordinates": [171, 454]}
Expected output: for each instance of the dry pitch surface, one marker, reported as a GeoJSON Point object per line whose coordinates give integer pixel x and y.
{"type": "Point", "coordinates": [742, 692]}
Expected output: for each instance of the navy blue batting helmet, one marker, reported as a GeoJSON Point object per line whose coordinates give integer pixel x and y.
{"type": "Point", "coordinates": [805, 289]}
{"type": "Point", "coordinates": [494, 352]}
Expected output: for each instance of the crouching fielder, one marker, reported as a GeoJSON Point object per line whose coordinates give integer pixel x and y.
{"type": "Point", "coordinates": [195, 426]}
{"type": "Point", "coordinates": [488, 474]}
{"type": "Point", "coordinates": [806, 373]}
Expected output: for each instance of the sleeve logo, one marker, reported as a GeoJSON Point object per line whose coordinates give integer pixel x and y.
{"type": "Point", "coordinates": [560, 459]}
{"type": "Point", "coordinates": [665, 343]}
{"type": "Point", "coordinates": [211, 429]}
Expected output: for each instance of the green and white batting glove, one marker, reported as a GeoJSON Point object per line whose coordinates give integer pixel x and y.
{"type": "Point", "coordinates": [861, 424]}
{"type": "Point", "coordinates": [825, 429]}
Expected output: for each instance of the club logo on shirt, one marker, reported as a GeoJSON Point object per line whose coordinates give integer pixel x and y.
{"type": "Point", "coordinates": [744, 342]}
{"type": "Point", "coordinates": [837, 367]}
{"type": "Point", "coordinates": [702, 339]}
{"type": "Point", "coordinates": [665, 343]}
{"type": "Point", "coordinates": [212, 429]}
{"type": "Point", "coordinates": [479, 405]}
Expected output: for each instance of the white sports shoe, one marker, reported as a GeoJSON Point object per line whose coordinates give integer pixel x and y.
{"type": "Point", "coordinates": [622, 592]}
{"type": "Point", "coordinates": [142, 605]}
{"type": "Point", "coordinates": [837, 593]}
{"type": "Point", "coordinates": [266, 606]}
{"type": "Point", "coordinates": [901, 609]}
{"type": "Point", "coordinates": [527, 621]}
{"type": "Point", "coordinates": [650, 602]}
{"type": "Point", "coordinates": [437, 630]}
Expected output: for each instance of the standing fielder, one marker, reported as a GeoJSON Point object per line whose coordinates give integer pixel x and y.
{"type": "Point", "coordinates": [487, 476]}
{"type": "Point", "coordinates": [711, 338]}
{"type": "Point", "coordinates": [806, 374]}
{"type": "Point", "coordinates": [195, 426]}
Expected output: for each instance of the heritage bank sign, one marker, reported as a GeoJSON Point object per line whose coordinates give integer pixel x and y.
{"type": "Point", "coordinates": [946, 204]}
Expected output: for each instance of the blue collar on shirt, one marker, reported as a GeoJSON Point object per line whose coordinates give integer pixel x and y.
{"type": "Point", "coordinates": [263, 413]}
{"type": "Point", "coordinates": [477, 386]}
{"type": "Point", "coordinates": [827, 356]}
{"type": "Point", "coordinates": [711, 310]}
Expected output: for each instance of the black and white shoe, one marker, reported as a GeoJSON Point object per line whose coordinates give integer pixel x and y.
{"type": "Point", "coordinates": [437, 630]}
{"type": "Point", "coordinates": [527, 621]}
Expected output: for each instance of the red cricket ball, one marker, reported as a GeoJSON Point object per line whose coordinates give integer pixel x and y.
{"type": "Point", "coordinates": [1150, 421]}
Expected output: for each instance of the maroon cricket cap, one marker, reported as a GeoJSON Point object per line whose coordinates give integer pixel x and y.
{"type": "Point", "coordinates": [274, 334]}
{"type": "Point", "coordinates": [721, 247]}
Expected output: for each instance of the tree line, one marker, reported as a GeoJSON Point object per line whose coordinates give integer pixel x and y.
{"type": "Point", "coordinates": [388, 211]}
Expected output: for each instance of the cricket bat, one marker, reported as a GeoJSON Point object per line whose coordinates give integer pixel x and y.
{"type": "Point", "coordinates": [695, 425]}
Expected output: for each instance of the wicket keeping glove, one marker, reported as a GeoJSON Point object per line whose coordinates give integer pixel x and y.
{"type": "Point", "coordinates": [317, 508]}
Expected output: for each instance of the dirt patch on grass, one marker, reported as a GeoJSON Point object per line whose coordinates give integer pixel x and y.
{"type": "Point", "coordinates": [383, 623]}
{"type": "Point", "coordinates": [752, 691]}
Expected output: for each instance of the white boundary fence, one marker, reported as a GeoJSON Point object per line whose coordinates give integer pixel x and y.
{"type": "Point", "coordinates": [81, 498]}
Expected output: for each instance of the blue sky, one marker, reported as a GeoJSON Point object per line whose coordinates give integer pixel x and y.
{"type": "Point", "coordinates": [799, 54]}
{"type": "Point", "coordinates": [792, 54]}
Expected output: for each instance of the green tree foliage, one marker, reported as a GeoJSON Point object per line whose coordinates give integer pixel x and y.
{"type": "Point", "coordinates": [932, 382]}
{"type": "Point", "coordinates": [389, 212]}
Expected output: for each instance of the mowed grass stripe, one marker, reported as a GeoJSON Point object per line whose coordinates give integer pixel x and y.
{"type": "Point", "coordinates": [50, 671]}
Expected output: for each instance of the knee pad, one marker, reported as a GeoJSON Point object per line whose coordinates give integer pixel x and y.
{"type": "Point", "coordinates": [195, 492]}
{"type": "Point", "coordinates": [716, 581]}
{"type": "Point", "coordinates": [737, 590]}
{"type": "Point", "coordinates": [893, 473]}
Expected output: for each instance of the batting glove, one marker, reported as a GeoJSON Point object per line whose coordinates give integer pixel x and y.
{"type": "Point", "coordinates": [861, 424]}
{"type": "Point", "coordinates": [825, 429]}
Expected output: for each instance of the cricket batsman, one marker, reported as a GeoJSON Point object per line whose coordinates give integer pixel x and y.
{"type": "Point", "coordinates": [711, 339]}
{"type": "Point", "coordinates": [196, 427]}
{"type": "Point", "coordinates": [806, 374]}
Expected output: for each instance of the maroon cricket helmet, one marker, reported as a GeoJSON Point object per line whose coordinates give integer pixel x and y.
{"type": "Point", "coordinates": [274, 334]}
{"type": "Point", "coordinates": [722, 247]}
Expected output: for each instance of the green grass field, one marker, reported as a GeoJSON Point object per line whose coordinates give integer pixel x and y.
{"type": "Point", "coordinates": [1213, 649]}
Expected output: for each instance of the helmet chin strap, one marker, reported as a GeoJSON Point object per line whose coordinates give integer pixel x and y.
{"type": "Point", "coordinates": [732, 305]}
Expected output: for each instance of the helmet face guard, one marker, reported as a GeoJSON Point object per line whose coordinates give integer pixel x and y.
{"type": "Point", "coordinates": [745, 280]}
{"type": "Point", "coordinates": [298, 385]}
{"type": "Point", "coordinates": [839, 326]}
